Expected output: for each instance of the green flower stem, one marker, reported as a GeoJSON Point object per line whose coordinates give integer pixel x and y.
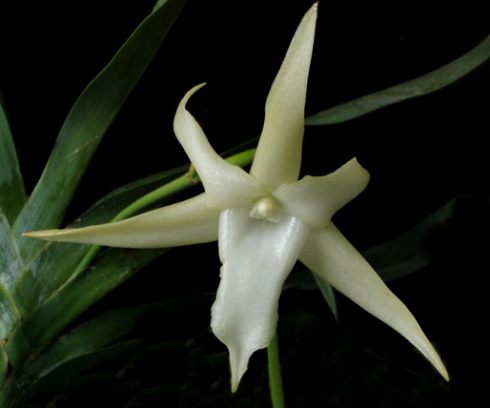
{"type": "Point", "coordinates": [275, 379]}
{"type": "Point", "coordinates": [178, 185]}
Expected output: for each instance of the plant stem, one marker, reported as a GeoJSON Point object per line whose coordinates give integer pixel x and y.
{"type": "Point", "coordinates": [275, 379]}
{"type": "Point", "coordinates": [177, 185]}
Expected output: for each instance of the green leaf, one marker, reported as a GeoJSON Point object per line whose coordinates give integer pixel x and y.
{"type": "Point", "coordinates": [52, 372]}
{"type": "Point", "coordinates": [71, 300]}
{"type": "Point", "coordinates": [87, 346]}
{"type": "Point", "coordinates": [9, 316]}
{"type": "Point", "coordinates": [45, 370]}
{"type": "Point", "coordinates": [420, 86]}
{"type": "Point", "coordinates": [10, 266]}
{"type": "Point", "coordinates": [55, 262]}
{"type": "Point", "coordinates": [88, 121]}
{"type": "Point", "coordinates": [410, 251]}
{"type": "Point", "coordinates": [10, 261]}
{"type": "Point", "coordinates": [3, 364]}
{"type": "Point", "coordinates": [327, 293]}
{"type": "Point", "coordinates": [12, 192]}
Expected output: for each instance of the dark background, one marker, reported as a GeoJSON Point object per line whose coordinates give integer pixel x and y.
{"type": "Point", "coordinates": [420, 153]}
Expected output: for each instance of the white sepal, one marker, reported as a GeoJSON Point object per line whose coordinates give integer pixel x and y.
{"type": "Point", "coordinates": [185, 223]}
{"type": "Point", "coordinates": [316, 199]}
{"type": "Point", "coordinates": [278, 157]}
{"type": "Point", "coordinates": [257, 256]}
{"type": "Point", "coordinates": [226, 185]}
{"type": "Point", "coordinates": [331, 256]}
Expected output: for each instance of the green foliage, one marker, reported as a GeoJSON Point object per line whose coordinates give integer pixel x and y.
{"type": "Point", "coordinates": [423, 85]}
{"type": "Point", "coordinates": [87, 122]}
{"type": "Point", "coordinates": [12, 192]}
{"type": "Point", "coordinates": [38, 297]}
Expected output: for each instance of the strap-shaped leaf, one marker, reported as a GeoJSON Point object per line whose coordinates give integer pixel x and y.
{"type": "Point", "coordinates": [57, 312]}
{"type": "Point", "coordinates": [9, 318]}
{"type": "Point", "coordinates": [10, 267]}
{"type": "Point", "coordinates": [419, 246]}
{"type": "Point", "coordinates": [88, 345]}
{"type": "Point", "coordinates": [10, 262]}
{"type": "Point", "coordinates": [12, 193]}
{"type": "Point", "coordinates": [55, 262]}
{"type": "Point", "coordinates": [420, 86]}
{"type": "Point", "coordinates": [328, 294]}
{"type": "Point", "coordinates": [88, 121]}
{"type": "Point", "coordinates": [71, 366]}
{"type": "Point", "coordinates": [3, 363]}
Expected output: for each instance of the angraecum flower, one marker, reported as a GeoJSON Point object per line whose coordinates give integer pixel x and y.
{"type": "Point", "coordinates": [264, 221]}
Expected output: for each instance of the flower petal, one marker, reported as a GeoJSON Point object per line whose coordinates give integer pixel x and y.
{"type": "Point", "coordinates": [316, 199]}
{"type": "Point", "coordinates": [185, 223]}
{"type": "Point", "coordinates": [226, 185]}
{"type": "Point", "coordinates": [257, 256]}
{"type": "Point", "coordinates": [278, 157]}
{"type": "Point", "coordinates": [331, 256]}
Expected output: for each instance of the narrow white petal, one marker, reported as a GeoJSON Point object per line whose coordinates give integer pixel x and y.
{"type": "Point", "coordinates": [185, 223]}
{"type": "Point", "coordinates": [330, 255]}
{"type": "Point", "coordinates": [278, 157]}
{"type": "Point", "coordinates": [226, 185]}
{"type": "Point", "coordinates": [316, 199]}
{"type": "Point", "coordinates": [257, 256]}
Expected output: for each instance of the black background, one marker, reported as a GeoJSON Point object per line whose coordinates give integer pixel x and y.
{"type": "Point", "coordinates": [420, 153]}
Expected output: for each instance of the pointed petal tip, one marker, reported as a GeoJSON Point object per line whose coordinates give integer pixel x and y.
{"type": "Point", "coordinates": [236, 377]}
{"type": "Point", "coordinates": [239, 358]}
{"type": "Point", "coordinates": [191, 91]}
{"type": "Point", "coordinates": [433, 357]}
{"type": "Point", "coordinates": [185, 99]}
{"type": "Point", "coordinates": [445, 374]}
{"type": "Point", "coordinates": [226, 185]}
{"type": "Point", "coordinates": [43, 234]}
{"type": "Point", "coordinates": [313, 10]}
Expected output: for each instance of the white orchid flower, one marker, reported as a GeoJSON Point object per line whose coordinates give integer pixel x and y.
{"type": "Point", "coordinates": [264, 221]}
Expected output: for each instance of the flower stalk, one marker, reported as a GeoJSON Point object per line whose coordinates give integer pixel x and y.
{"type": "Point", "coordinates": [275, 377]}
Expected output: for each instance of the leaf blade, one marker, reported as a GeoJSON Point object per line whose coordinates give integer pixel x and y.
{"type": "Point", "coordinates": [423, 85]}
{"type": "Point", "coordinates": [89, 344]}
{"type": "Point", "coordinates": [79, 136]}
{"type": "Point", "coordinates": [57, 312]}
{"type": "Point", "coordinates": [11, 264]}
{"type": "Point", "coordinates": [412, 250]}
{"type": "Point", "coordinates": [12, 191]}
{"type": "Point", "coordinates": [328, 294]}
